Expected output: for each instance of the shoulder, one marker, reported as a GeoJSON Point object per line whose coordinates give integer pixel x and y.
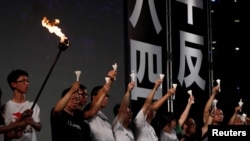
{"type": "Point", "coordinates": [87, 107]}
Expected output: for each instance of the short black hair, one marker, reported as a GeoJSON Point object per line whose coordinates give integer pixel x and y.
{"type": "Point", "coordinates": [13, 76]}
{"type": "Point", "coordinates": [83, 87]}
{"type": "Point", "coordinates": [95, 91]}
{"type": "Point", "coordinates": [64, 92]}
{"type": "Point", "coordinates": [116, 109]}
{"type": "Point", "coordinates": [165, 118]}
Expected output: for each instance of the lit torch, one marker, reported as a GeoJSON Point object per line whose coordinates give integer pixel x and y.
{"type": "Point", "coordinates": [63, 45]}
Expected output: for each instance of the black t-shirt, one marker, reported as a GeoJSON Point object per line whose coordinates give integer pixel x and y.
{"type": "Point", "coordinates": [194, 137]}
{"type": "Point", "coordinates": [69, 128]}
{"type": "Point", "coordinates": [1, 120]}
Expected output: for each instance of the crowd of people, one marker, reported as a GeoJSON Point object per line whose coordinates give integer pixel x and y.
{"type": "Point", "coordinates": [74, 118]}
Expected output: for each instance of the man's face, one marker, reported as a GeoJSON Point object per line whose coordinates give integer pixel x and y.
{"type": "Point", "coordinates": [74, 101]}
{"type": "Point", "coordinates": [22, 84]}
{"type": "Point", "coordinates": [218, 116]}
{"type": "Point", "coordinates": [105, 101]}
{"type": "Point", "coordinates": [83, 97]}
{"type": "Point", "coordinates": [129, 114]}
{"type": "Point", "coordinates": [238, 120]}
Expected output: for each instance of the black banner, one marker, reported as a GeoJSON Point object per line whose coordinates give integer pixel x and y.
{"type": "Point", "coordinates": [168, 37]}
{"type": "Point", "coordinates": [146, 46]}
{"type": "Point", "coordinates": [190, 54]}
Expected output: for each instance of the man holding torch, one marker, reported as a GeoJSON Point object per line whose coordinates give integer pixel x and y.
{"type": "Point", "coordinates": [17, 109]}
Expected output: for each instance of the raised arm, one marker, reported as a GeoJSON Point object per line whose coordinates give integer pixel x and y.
{"type": "Point", "coordinates": [97, 102]}
{"type": "Point", "coordinates": [60, 105]}
{"type": "Point", "coordinates": [209, 121]}
{"type": "Point", "coordinates": [159, 103]}
{"type": "Point", "coordinates": [150, 96]}
{"type": "Point", "coordinates": [125, 102]}
{"type": "Point", "coordinates": [185, 113]}
{"type": "Point", "coordinates": [102, 93]}
{"type": "Point", "coordinates": [208, 105]}
{"type": "Point", "coordinates": [234, 116]}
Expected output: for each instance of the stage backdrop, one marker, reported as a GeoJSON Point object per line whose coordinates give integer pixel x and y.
{"type": "Point", "coordinates": [169, 37]}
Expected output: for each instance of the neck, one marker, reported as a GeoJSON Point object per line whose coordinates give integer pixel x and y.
{"type": "Point", "coordinates": [68, 110]}
{"type": "Point", "coordinates": [167, 129]}
{"type": "Point", "coordinates": [18, 97]}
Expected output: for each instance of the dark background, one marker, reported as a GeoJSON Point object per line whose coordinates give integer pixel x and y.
{"type": "Point", "coordinates": [95, 29]}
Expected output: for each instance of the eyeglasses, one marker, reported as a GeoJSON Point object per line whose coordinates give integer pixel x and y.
{"type": "Point", "coordinates": [82, 93]}
{"type": "Point", "coordinates": [75, 99]}
{"type": "Point", "coordinates": [23, 81]}
{"type": "Point", "coordinates": [85, 95]}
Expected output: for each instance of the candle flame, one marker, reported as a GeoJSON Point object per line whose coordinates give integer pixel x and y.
{"type": "Point", "coordinates": [53, 28]}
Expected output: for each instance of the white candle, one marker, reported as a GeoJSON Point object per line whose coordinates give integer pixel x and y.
{"type": "Point", "coordinates": [243, 117]}
{"type": "Point", "coordinates": [215, 101]}
{"type": "Point", "coordinates": [174, 86]}
{"type": "Point", "coordinates": [107, 79]}
{"type": "Point", "coordinates": [218, 82]}
{"type": "Point", "coordinates": [190, 94]}
{"type": "Point", "coordinates": [115, 66]}
{"type": "Point", "coordinates": [161, 77]}
{"type": "Point", "coordinates": [78, 73]}
{"type": "Point", "coordinates": [240, 103]}
{"type": "Point", "coordinates": [132, 75]}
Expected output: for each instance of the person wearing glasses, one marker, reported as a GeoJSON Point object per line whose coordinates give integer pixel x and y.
{"type": "Point", "coordinates": [18, 109]}
{"type": "Point", "coordinates": [83, 96]}
{"type": "Point", "coordinates": [66, 116]}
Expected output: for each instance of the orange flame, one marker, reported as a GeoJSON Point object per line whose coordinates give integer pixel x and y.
{"type": "Point", "coordinates": [53, 28]}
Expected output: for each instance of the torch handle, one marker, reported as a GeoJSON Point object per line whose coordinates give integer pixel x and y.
{"type": "Point", "coordinates": [46, 79]}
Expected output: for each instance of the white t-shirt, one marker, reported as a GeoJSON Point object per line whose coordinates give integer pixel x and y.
{"type": "Point", "coordinates": [144, 131]}
{"type": "Point", "coordinates": [168, 136]}
{"type": "Point", "coordinates": [101, 129]}
{"type": "Point", "coordinates": [121, 133]}
{"type": "Point", "coordinates": [13, 112]}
